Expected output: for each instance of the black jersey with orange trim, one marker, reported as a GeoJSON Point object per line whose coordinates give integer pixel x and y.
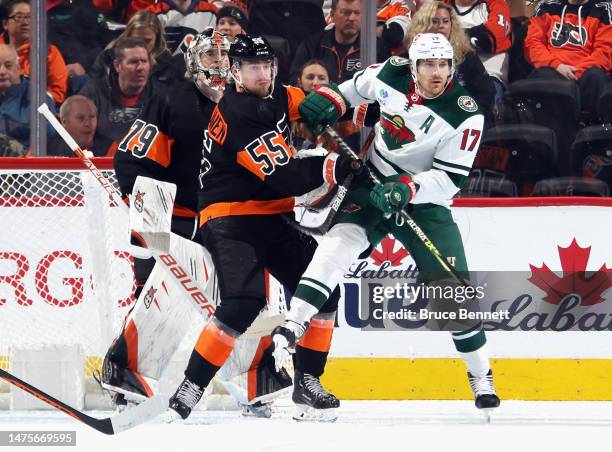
{"type": "Point", "coordinates": [248, 167]}
{"type": "Point", "coordinates": [165, 143]}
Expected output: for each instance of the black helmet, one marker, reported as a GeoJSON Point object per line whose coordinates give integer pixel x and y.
{"type": "Point", "coordinates": [250, 48]}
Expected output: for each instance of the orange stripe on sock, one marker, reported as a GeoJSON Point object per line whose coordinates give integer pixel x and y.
{"type": "Point", "coordinates": [264, 343]}
{"type": "Point", "coordinates": [318, 335]}
{"type": "Point", "coordinates": [214, 345]}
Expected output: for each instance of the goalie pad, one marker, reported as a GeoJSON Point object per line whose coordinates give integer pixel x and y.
{"type": "Point", "coordinates": [151, 204]}
{"type": "Point", "coordinates": [156, 325]}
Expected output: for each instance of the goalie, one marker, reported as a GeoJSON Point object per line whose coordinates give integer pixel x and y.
{"type": "Point", "coordinates": [164, 144]}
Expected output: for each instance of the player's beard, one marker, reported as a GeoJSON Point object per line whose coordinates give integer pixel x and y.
{"type": "Point", "coordinates": [259, 89]}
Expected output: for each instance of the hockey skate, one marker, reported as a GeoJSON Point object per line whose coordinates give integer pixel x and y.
{"type": "Point", "coordinates": [313, 402]}
{"type": "Point", "coordinates": [184, 400]}
{"type": "Point", "coordinates": [484, 393]}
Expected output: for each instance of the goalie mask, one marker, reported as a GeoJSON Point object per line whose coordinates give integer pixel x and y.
{"type": "Point", "coordinates": [430, 46]}
{"type": "Point", "coordinates": [253, 62]}
{"type": "Point", "coordinates": [207, 62]}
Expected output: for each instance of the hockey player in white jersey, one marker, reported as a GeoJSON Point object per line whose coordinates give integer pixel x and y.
{"type": "Point", "coordinates": [426, 141]}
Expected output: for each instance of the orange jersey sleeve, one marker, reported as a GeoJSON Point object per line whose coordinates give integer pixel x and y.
{"type": "Point", "coordinates": [536, 48]}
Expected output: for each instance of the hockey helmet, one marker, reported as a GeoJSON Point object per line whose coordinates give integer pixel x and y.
{"type": "Point", "coordinates": [209, 41]}
{"type": "Point", "coordinates": [430, 46]}
{"type": "Point", "coordinates": [251, 48]}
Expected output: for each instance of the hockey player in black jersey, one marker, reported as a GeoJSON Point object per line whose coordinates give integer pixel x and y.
{"type": "Point", "coordinates": [165, 143]}
{"type": "Point", "coordinates": [249, 177]}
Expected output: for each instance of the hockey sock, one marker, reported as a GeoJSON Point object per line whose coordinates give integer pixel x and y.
{"type": "Point", "coordinates": [212, 349]}
{"type": "Point", "coordinates": [313, 348]}
{"type": "Point", "coordinates": [472, 348]}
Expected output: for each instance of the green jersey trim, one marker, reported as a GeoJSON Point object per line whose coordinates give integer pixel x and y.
{"type": "Point", "coordinates": [447, 106]}
{"type": "Point", "coordinates": [452, 167]}
{"type": "Point", "coordinates": [397, 77]}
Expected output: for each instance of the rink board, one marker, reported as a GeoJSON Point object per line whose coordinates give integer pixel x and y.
{"type": "Point", "coordinates": [498, 235]}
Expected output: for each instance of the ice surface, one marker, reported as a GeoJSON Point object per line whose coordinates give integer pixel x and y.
{"type": "Point", "coordinates": [372, 426]}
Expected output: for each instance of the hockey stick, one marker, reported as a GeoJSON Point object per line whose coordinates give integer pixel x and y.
{"type": "Point", "coordinates": [109, 425]}
{"type": "Point", "coordinates": [338, 197]}
{"type": "Point", "coordinates": [168, 262]}
{"type": "Point", "coordinates": [431, 247]}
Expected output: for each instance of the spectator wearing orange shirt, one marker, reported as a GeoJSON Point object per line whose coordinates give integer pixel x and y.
{"type": "Point", "coordinates": [572, 39]}
{"type": "Point", "coordinates": [16, 19]}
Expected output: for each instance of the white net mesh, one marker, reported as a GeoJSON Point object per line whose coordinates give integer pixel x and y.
{"type": "Point", "coordinates": [66, 274]}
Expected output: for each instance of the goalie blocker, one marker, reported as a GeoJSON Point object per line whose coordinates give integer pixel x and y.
{"type": "Point", "coordinates": [155, 327]}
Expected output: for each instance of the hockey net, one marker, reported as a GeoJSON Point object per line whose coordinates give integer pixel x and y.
{"type": "Point", "coordinates": [66, 276]}
{"type": "Point", "coordinates": [66, 273]}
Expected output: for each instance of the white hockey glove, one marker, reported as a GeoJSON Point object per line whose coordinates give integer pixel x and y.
{"type": "Point", "coordinates": [284, 338]}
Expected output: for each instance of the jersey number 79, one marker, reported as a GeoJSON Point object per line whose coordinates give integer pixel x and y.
{"type": "Point", "coordinates": [139, 139]}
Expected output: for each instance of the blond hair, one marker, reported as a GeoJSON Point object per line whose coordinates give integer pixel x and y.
{"type": "Point", "coordinates": [145, 19]}
{"type": "Point", "coordinates": [422, 23]}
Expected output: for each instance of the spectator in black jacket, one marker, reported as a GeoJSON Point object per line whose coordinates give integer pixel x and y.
{"type": "Point", "coordinates": [438, 17]}
{"type": "Point", "coordinates": [79, 31]}
{"type": "Point", "coordinates": [339, 46]}
{"type": "Point", "coordinates": [165, 68]}
{"type": "Point", "coordinates": [121, 96]}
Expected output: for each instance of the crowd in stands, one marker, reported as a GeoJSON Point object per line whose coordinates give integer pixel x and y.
{"type": "Point", "coordinates": [540, 71]}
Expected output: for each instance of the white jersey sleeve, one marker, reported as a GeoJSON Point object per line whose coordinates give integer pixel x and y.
{"type": "Point", "coordinates": [452, 163]}
{"type": "Point", "coordinates": [361, 89]}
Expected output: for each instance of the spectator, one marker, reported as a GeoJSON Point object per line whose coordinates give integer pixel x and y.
{"type": "Point", "coordinates": [487, 23]}
{"type": "Point", "coordinates": [16, 19]}
{"type": "Point", "coordinates": [572, 39]}
{"type": "Point", "coordinates": [123, 10]}
{"type": "Point", "coordinates": [183, 19]}
{"type": "Point", "coordinates": [231, 21]}
{"type": "Point", "coordinates": [15, 98]}
{"type": "Point", "coordinates": [121, 95]}
{"type": "Point", "coordinates": [146, 26]}
{"type": "Point", "coordinates": [79, 32]}
{"type": "Point", "coordinates": [392, 23]}
{"type": "Point", "coordinates": [79, 116]}
{"type": "Point", "coordinates": [338, 47]}
{"type": "Point", "coordinates": [312, 74]}
{"type": "Point", "coordinates": [438, 17]}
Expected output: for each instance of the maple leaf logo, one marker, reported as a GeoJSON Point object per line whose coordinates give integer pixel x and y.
{"type": "Point", "coordinates": [386, 253]}
{"type": "Point", "coordinates": [574, 261]}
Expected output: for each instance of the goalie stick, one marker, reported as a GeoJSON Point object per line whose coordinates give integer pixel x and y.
{"type": "Point", "coordinates": [338, 197]}
{"type": "Point", "coordinates": [431, 247]}
{"type": "Point", "coordinates": [110, 425]}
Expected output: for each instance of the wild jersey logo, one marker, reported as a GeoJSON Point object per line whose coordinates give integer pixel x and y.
{"type": "Point", "coordinates": [395, 133]}
{"type": "Point", "coordinates": [139, 201]}
{"type": "Point", "coordinates": [569, 34]}
{"type": "Point", "coordinates": [399, 61]}
{"type": "Point", "coordinates": [467, 103]}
